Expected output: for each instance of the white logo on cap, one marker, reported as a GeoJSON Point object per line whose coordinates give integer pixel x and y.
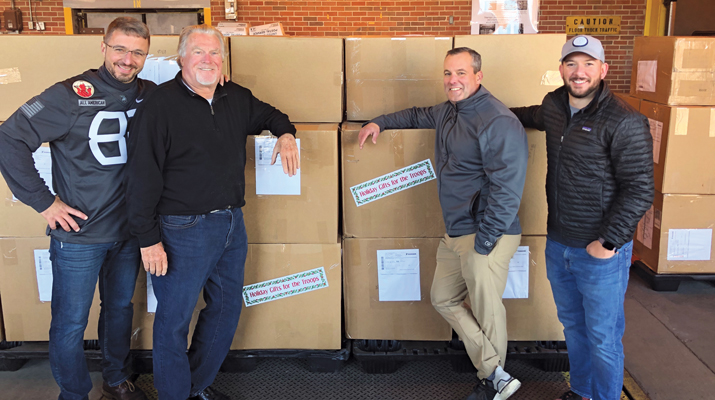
{"type": "Point", "coordinates": [580, 41]}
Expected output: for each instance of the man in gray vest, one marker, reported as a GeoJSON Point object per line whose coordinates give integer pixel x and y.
{"type": "Point", "coordinates": [481, 153]}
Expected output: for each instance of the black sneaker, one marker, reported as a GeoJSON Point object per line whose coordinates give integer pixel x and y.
{"type": "Point", "coordinates": [482, 391]}
{"type": "Point", "coordinates": [209, 394]}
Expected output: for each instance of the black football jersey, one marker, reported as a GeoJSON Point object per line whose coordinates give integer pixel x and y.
{"type": "Point", "coordinates": [85, 120]}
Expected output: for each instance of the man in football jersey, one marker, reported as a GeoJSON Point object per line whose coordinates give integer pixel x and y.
{"type": "Point", "coordinates": [84, 119]}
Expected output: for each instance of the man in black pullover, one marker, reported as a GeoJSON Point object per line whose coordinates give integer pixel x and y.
{"type": "Point", "coordinates": [185, 189]}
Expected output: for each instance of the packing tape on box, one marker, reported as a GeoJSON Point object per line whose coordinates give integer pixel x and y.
{"type": "Point", "coordinates": [551, 78]}
{"type": "Point", "coordinates": [338, 78]}
{"type": "Point", "coordinates": [693, 54]}
{"type": "Point", "coordinates": [10, 75]}
{"type": "Point", "coordinates": [681, 121]}
{"type": "Point", "coordinates": [9, 252]}
{"type": "Point", "coordinates": [693, 88]}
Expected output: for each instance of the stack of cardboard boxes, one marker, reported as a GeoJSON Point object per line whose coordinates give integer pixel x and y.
{"type": "Point", "coordinates": [674, 78]}
{"type": "Point", "coordinates": [292, 283]}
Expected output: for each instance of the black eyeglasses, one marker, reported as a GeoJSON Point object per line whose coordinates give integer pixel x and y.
{"type": "Point", "coordinates": [122, 51]}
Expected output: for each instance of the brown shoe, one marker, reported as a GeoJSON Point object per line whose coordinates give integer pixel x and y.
{"type": "Point", "coordinates": [124, 391]}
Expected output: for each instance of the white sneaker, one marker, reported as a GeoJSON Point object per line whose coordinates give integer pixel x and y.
{"type": "Point", "coordinates": [504, 384]}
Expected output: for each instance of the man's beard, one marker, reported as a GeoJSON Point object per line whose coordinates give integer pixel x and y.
{"type": "Point", "coordinates": [587, 93]}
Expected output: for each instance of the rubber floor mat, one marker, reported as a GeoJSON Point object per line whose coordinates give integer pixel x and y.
{"type": "Point", "coordinates": [284, 379]}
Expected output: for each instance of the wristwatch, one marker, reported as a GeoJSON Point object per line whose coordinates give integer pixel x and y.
{"type": "Point", "coordinates": [606, 245]}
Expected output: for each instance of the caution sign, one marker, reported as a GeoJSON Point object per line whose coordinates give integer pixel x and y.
{"type": "Point", "coordinates": [597, 25]}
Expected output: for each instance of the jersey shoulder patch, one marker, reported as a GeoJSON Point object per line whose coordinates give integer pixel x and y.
{"type": "Point", "coordinates": [83, 89]}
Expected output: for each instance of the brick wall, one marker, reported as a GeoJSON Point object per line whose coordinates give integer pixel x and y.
{"type": "Point", "coordinates": [48, 11]}
{"type": "Point", "coordinates": [394, 18]}
{"type": "Point", "coordinates": [619, 48]}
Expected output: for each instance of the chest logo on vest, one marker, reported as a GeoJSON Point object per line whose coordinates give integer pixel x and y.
{"type": "Point", "coordinates": [92, 103]}
{"type": "Point", "coordinates": [83, 89]}
{"type": "Point", "coordinates": [585, 128]}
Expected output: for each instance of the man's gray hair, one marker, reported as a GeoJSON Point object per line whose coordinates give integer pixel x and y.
{"type": "Point", "coordinates": [206, 29]}
{"type": "Point", "coordinates": [476, 58]}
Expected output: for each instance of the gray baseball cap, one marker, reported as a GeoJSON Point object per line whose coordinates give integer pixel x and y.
{"type": "Point", "coordinates": [584, 44]}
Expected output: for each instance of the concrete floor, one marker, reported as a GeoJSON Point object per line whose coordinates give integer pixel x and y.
{"type": "Point", "coordinates": [669, 345]}
{"type": "Point", "coordinates": [670, 340]}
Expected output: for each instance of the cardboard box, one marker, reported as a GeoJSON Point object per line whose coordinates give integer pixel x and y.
{"type": "Point", "coordinates": [416, 212]}
{"type": "Point", "coordinates": [301, 76]}
{"type": "Point", "coordinates": [388, 74]}
{"type": "Point", "coordinates": [366, 317]}
{"type": "Point", "coordinates": [533, 209]}
{"type": "Point", "coordinates": [309, 320]}
{"type": "Point", "coordinates": [26, 317]}
{"type": "Point", "coordinates": [683, 147]}
{"type": "Point", "coordinates": [312, 216]}
{"type": "Point", "coordinates": [24, 60]}
{"type": "Point", "coordinates": [675, 235]}
{"type": "Point", "coordinates": [16, 218]}
{"type": "Point", "coordinates": [634, 102]}
{"type": "Point", "coordinates": [274, 29]}
{"type": "Point", "coordinates": [515, 82]}
{"type": "Point", "coordinates": [534, 318]}
{"type": "Point", "coordinates": [674, 70]}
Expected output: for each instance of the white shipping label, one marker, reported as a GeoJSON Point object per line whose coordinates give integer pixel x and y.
{"type": "Point", "coordinates": [646, 75]}
{"type": "Point", "coordinates": [270, 179]}
{"type": "Point", "coordinates": [43, 268]}
{"type": "Point", "coordinates": [517, 282]}
{"type": "Point", "coordinates": [150, 296]}
{"type": "Point", "coordinates": [656, 130]}
{"type": "Point", "coordinates": [285, 286]}
{"type": "Point", "coordinates": [644, 233]}
{"type": "Point", "coordinates": [396, 181]}
{"type": "Point", "coordinates": [689, 244]}
{"type": "Point", "coordinates": [43, 163]}
{"type": "Point", "coordinates": [398, 275]}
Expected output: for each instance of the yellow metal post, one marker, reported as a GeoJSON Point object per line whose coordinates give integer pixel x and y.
{"type": "Point", "coordinates": [69, 25]}
{"type": "Point", "coordinates": [207, 15]}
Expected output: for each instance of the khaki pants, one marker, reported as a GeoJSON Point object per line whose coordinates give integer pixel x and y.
{"type": "Point", "coordinates": [461, 271]}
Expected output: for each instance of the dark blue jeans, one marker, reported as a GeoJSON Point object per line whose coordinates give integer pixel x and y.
{"type": "Point", "coordinates": [589, 294]}
{"type": "Point", "coordinates": [75, 270]}
{"type": "Point", "coordinates": [204, 252]}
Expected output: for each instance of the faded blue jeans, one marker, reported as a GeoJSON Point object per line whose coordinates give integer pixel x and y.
{"type": "Point", "coordinates": [75, 271]}
{"type": "Point", "coordinates": [204, 252]}
{"type": "Point", "coordinates": [589, 294]}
